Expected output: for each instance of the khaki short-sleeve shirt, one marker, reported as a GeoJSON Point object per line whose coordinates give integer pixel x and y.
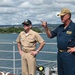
{"type": "Point", "coordinates": [29, 40]}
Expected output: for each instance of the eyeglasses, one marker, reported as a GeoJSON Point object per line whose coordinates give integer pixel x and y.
{"type": "Point", "coordinates": [26, 25]}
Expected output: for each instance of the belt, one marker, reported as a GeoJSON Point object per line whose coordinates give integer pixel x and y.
{"type": "Point", "coordinates": [62, 50]}
{"type": "Point", "coordinates": [27, 51]}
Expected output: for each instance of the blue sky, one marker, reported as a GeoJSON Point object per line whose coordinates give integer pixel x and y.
{"type": "Point", "coordinates": [16, 11]}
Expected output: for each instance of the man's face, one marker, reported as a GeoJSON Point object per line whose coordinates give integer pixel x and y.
{"type": "Point", "coordinates": [26, 27]}
{"type": "Point", "coordinates": [65, 18]}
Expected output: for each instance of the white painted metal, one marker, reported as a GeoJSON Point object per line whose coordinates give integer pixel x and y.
{"type": "Point", "coordinates": [14, 69]}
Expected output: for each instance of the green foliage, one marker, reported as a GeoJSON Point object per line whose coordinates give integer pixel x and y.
{"type": "Point", "coordinates": [10, 30]}
{"type": "Point", "coordinates": [36, 29]}
{"type": "Point", "coordinates": [16, 30]}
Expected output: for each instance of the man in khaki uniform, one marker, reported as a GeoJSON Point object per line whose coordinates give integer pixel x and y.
{"type": "Point", "coordinates": [26, 42]}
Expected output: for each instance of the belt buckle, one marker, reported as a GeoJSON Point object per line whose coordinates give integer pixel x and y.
{"type": "Point", "coordinates": [60, 50]}
{"type": "Point", "coordinates": [25, 51]}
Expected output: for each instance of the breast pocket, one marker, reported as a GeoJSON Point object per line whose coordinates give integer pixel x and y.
{"type": "Point", "coordinates": [21, 39]}
{"type": "Point", "coordinates": [69, 33]}
{"type": "Point", "coordinates": [32, 41]}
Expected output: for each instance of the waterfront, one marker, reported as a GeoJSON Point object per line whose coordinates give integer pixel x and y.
{"type": "Point", "coordinates": [7, 48]}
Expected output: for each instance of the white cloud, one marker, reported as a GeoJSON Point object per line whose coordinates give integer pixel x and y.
{"type": "Point", "coordinates": [16, 11]}
{"type": "Point", "coordinates": [6, 3]}
{"type": "Point", "coordinates": [26, 5]}
{"type": "Point", "coordinates": [9, 10]}
{"type": "Point", "coordinates": [38, 2]}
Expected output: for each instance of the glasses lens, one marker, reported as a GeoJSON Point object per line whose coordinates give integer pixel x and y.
{"type": "Point", "coordinates": [26, 25]}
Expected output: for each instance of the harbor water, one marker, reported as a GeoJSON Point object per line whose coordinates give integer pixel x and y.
{"type": "Point", "coordinates": [10, 38]}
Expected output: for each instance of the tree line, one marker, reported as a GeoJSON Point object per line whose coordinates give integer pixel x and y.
{"type": "Point", "coordinates": [17, 30]}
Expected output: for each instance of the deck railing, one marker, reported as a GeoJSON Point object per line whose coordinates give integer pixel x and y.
{"type": "Point", "coordinates": [5, 58]}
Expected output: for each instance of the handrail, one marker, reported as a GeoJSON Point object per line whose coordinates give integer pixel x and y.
{"type": "Point", "coordinates": [14, 59]}
{"type": "Point", "coordinates": [40, 51]}
{"type": "Point", "coordinates": [15, 43]}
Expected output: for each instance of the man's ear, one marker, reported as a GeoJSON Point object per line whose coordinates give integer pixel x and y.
{"type": "Point", "coordinates": [69, 16]}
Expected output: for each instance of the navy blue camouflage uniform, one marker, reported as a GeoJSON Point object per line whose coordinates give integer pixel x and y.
{"type": "Point", "coordinates": [65, 39]}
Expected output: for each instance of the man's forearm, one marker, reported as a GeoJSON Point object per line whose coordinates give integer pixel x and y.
{"type": "Point", "coordinates": [48, 32]}
{"type": "Point", "coordinates": [41, 46]}
{"type": "Point", "coordinates": [19, 46]}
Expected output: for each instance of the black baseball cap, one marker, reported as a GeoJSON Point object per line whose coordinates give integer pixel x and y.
{"type": "Point", "coordinates": [27, 22]}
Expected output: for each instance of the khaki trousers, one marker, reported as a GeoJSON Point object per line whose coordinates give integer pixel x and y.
{"type": "Point", "coordinates": [28, 64]}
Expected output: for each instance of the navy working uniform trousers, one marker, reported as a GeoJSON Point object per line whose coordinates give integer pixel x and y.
{"type": "Point", "coordinates": [66, 63]}
{"type": "Point", "coordinates": [65, 39]}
